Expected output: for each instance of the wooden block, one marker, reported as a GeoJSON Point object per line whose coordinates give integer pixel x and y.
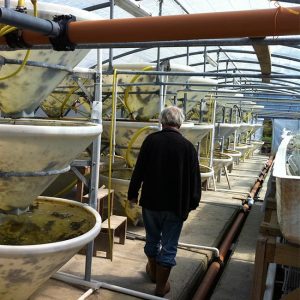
{"type": "Point", "coordinates": [102, 244]}
{"type": "Point", "coordinates": [102, 198]}
{"type": "Point", "coordinates": [119, 225]}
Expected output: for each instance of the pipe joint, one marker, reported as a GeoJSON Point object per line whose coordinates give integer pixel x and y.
{"type": "Point", "coordinates": [218, 260]}
{"type": "Point", "coordinates": [61, 42]}
{"type": "Point", "coordinates": [15, 39]}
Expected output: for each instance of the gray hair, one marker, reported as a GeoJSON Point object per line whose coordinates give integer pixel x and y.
{"type": "Point", "coordinates": [171, 116]}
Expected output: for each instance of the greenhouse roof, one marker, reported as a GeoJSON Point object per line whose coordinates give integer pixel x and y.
{"type": "Point", "coordinates": [278, 60]}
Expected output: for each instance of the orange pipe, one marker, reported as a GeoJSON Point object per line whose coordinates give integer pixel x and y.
{"type": "Point", "coordinates": [250, 23]}
{"type": "Point", "coordinates": [213, 270]}
{"type": "Point", "coordinates": [209, 279]}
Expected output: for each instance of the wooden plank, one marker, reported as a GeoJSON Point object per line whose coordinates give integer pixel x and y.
{"type": "Point", "coordinates": [287, 254]}
{"type": "Point", "coordinates": [115, 222]}
{"type": "Point", "coordinates": [270, 229]}
{"type": "Point", "coordinates": [260, 270]}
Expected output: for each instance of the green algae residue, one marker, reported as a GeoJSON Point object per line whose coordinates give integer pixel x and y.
{"type": "Point", "coordinates": [46, 221]}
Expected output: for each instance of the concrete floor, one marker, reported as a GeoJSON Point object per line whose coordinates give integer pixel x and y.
{"type": "Point", "coordinates": [204, 226]}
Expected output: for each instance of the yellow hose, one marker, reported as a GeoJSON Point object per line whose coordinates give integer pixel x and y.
{"type": "Point", "coordinates": [7, 29]}
{"type": "Point", "coordinates": [133, 139]}
{"type": "Point", "coordinates": [111, 155]}
{"type": "Point", "coordinates": [70, 93]}
{"type": "Point", "coordinates": [129, 88]}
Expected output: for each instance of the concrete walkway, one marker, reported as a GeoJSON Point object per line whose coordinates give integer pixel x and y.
{"type": "Point", "coordinates": [205, 226]}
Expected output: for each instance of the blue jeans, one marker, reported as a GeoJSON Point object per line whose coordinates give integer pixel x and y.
{"type": "Point", "coordinates": [163, 229]}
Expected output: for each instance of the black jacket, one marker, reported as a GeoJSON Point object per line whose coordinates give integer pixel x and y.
{"type": "Point", "coordinates": [168, 169]}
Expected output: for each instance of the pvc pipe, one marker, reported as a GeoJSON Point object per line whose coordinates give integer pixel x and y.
{"type": "Point", "coordinates": [250, 23]}
{"type": "Point", "coordinates": [214, 249]}
{"type": "Point", "coordinates": [71, 279]}
{"type": "Point", "coordinates": [213, 270]}
{"type": "Point", "coordinates": [20, 20]}
{"type": "Point", "coordinates": [96, 117]}
{"type": "Point", "coordinates": [271, 274]}
{"type": "Point", "coordinates": [86, 294]}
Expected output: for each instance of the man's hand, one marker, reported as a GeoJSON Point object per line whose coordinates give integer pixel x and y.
{"type": "Point", "coordinates": [131, 203]}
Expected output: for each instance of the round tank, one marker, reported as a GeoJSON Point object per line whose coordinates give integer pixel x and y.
{"type": "Point", "coordinates": [32, 147]}
{"type": "Point", "coordinates": [236, 155]}
{"type": "Point", "coordinates": [256, 144]}
{"type": "Point", "coordinates": [220, 160]}
{"type": "Point", "coordinates": [146, 103]}
{"type": "Point", "coordinates": [120, 180]}
{"type": "Point", "coordinates": [206, 172]}
{"type": "Point", "coordinates": [48, 235]}
{"type": "Point", "coordinates": [127, 130]}
{"type": "Point", "coordinates": [25, 90]}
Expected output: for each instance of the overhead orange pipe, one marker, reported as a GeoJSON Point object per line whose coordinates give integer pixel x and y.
{"type": "Point", "coordinates": [250, 23]}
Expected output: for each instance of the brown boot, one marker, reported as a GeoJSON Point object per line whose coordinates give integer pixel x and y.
{"type": "Point", "coordinates": [162, 283]}
{"type": "Point", "coordinates": [151, 268]}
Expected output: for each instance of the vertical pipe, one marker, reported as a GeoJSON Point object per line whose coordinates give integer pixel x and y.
{"type": "Point", "coordinates": [111, 16]}
{"type": "Point", "coordinates": [188, 55]}
{"type": "Point", "coordinates": [160, 78]}
{"type": "Point", "coordinates": [213, 135]}
{"type": "Point", "coordinates": [96, 117]}
{"type": "Point", "coordinates": [204, 62]}
{"type": "Point", "coordinates": [7, 4]}
{"type": "Point", "coordinates": [114, 113]}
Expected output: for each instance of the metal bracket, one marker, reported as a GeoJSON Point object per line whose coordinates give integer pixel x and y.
{"type": "Point", "coordinates": [80, 176]}
{"type": "Point", "coordinates": [15, 39]}
{"type": "Point", "coordinates": [83, 88]}
{"type": "Point", "coordinates": [61, 42]}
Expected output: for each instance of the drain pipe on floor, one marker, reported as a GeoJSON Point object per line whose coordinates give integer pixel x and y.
{"type": "Point", "coordinates": [190, 246]}
{"type": "Point", "coordinates": [96, 285]}
{"type": "Point", "coordinates": [210, 277]}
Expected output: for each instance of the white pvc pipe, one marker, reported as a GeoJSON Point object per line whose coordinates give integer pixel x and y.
{"type": "Point", "coordinates": [86, 294]}
{"type": "Point", "coordinates": [268, 295]}
{"type": "Point", "coordinates": [72, 279]}
{"type": "Point", "coordinates": [214, 249]}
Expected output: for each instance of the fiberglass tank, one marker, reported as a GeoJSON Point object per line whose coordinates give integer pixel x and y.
{"type": "Point", "coordinates": [25, 90]}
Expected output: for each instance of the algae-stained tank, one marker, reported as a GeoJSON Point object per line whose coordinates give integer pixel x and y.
{"type": "Point", "coordinates": [25, 90]}
{"type": "Point", "coordinates": [34, 152]}
{"type": "Point", "coordinates": [36, 244]}
{"type": "Point", "coordinates": [287, 173]}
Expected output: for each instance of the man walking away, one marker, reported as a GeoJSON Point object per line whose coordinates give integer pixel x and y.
{"type": "Point", "coordinates": [167, 168]}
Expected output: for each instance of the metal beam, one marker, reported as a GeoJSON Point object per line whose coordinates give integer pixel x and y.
{"type": "Point", "coordinates": [97, 6]}
{"type": "Point", "coordinates": [183, 43]}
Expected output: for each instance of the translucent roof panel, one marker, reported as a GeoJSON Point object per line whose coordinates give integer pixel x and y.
{"type": "Point", "coordinates": [242, 60]}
